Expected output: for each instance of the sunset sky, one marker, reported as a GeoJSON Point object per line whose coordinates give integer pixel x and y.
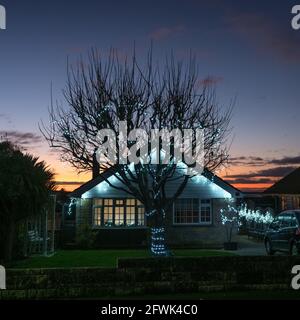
{"type": "Point", "coordinates": [247, 49]}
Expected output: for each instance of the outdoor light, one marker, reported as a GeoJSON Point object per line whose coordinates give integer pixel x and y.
{"type": "Point", "coordinates": [158, 247]}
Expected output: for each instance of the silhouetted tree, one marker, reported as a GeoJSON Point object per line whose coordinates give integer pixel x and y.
{"type": "Point", "coordinates": [100, 93]}
{"type": "Point", "coordinates": [25, 185]}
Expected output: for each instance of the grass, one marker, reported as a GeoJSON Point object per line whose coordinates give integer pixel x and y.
{"type": "Point", "coordinates": [102, 258]}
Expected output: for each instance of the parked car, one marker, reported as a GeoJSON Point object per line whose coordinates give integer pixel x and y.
{"type": "Point", "coordinates": [283, 234]}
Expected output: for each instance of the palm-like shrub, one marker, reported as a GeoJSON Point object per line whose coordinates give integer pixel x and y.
{"type": "Point", "coordinates": [25, 185]}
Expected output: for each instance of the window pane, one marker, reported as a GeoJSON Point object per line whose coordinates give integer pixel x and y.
{"type": "Point", "coordinates": [108, 216]}
{"type": "Point", "coordinates": [130, 202]}
{"type": "Point", "coordinates": [203, 201]}
{"type": "Point", "coordinates": [130, 219]}
{"type": "Point", "coordinates": [98, 202]}
{"type": "Point", "coordinates": [97, 216]}
{"type": "Point", "coordinates": [205, 212]}
{"type": "Point", "coordinates": [119, 216]}
{"type": "Point", "coordinates": [186, 211]}
{"type": "Point", "coordinates": [108, 202]}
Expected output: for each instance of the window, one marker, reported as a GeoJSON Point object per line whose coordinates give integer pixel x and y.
{"type": "Point", "coordinates": [130, 212]}
{"type": "Point", "coordinates": [288, 203]}
{"type": "Point", "coordinates": [97, 216]}
{"type": "Point", "coordinates": [294, 222]}
{"type": "Point", "coordinates": [205, 214]}
{"type": "Point", "coordinates": [186, 211]}
{"type": "Point", "coordinates": [285, 221]}
{"type": "Point", "coordinates": [118, 213]}
{"type": "Point", "coordinates": [192, 211]}
{"type": "Point", "coordinates": [141, 215]}
{"type": "Point", "coordinates": [108, 213]}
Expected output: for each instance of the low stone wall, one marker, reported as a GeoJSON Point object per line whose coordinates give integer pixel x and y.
{"type": "Point", "coordinates": [153, 276]}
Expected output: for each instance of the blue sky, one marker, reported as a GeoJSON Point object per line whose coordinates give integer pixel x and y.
{"type": "Point", "coordinates": [247, 48]}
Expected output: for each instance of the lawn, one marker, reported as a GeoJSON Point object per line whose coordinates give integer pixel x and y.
{"type": "Point", "coordinates": [102, 258]}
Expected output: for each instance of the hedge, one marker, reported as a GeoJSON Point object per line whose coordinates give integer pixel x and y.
{"type": "Point", "coordinates": [153, 276]}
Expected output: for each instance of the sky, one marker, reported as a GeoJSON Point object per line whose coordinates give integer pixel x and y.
{"type": "Point", "coordinates": [247, 49]}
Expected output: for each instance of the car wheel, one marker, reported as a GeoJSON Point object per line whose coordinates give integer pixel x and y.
{"type": "Point", "coordinates": [294, 250]}
{"type": "Point", "coordinates": [268, 247]}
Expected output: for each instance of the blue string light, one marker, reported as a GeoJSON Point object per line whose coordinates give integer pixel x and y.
{"type": "Point", "coordinates": [158, 247]}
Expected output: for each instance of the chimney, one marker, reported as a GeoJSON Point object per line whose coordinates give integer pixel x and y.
{"type": "Point", "coordinates": [96, 166]}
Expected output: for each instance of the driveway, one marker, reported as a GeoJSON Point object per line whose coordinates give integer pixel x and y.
{"type": "Point", "coordinates": [250, 247]}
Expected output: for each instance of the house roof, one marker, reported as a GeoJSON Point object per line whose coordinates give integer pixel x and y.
{"type": "Point", "coordinates": [287, 185]}
{"type": "Point", "coordinates": [77, 193]}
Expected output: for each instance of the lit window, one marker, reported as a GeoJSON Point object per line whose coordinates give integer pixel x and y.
{"type": "Point", "coordinates": [118, 213]}
{"type": "Point", "coordinates": [97, 216]}
{"type": "Point", "coordinates": [98, 202]}
{"type": "Point", "coordinates": [108, 216]}
{"type": "Point", "coordinates": [141, 216]}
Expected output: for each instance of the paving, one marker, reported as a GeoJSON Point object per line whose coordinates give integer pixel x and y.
{"type": "Point", "coordinates": [250, 247]}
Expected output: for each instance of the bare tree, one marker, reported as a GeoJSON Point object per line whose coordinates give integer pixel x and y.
{"type": "Point", "coordinates": [101, 93]}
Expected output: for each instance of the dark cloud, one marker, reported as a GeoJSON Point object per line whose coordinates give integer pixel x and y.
{"type": "Point", "coordinates": [166, 32]}
{"type": "Point", "coordinates": [286, 160]}
{"type": "Point", "coordinates": [211, 80]}
{"type": "Point", "coordinates": [277, 172]}
{"type": "Point", "coordinates": [23, 139]}
{"type": "Point", "coordinates": [258, 161]}
{"type": "Point", "coordinates": [248, 161]}
{"type": "Point", "coordinates": [250, 181]}
{"type": "Point", "coordinates": [266, 34]}
{"type": "Point", "coordinates": [68, 183]}
{"type": "Point", "coordinates": [247, 158]}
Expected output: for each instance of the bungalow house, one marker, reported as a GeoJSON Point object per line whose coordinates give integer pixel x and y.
{"type": "Point", "coordinates": [282, 195]}
{"type": "Point", "coordinates": [119, 220]}
{"type": "Point", "coordinates": [286, 192]}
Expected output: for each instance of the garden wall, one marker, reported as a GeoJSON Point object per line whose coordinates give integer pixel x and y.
{"type": "Point", "coordinates": [153, 276]}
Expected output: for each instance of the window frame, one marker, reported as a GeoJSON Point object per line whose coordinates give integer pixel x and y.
{"type": "Point", "coordinates": [199, 223]}
{"type": "Point", "coordinates": [115, 205]}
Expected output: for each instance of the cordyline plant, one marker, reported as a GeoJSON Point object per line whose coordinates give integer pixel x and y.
{"type": "Point", "coordinates": [102, 92]}
{"type": "Point", "coordinates": [25, 187]}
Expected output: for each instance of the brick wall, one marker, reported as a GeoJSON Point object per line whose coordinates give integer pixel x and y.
{"type": "Point", "coordinates": [210, 236]}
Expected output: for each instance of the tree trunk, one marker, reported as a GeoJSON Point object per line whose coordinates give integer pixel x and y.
{"type": "Point", "coordinates": [9, 243]}
{"type": "Point", "coordinates": [158, 241]}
